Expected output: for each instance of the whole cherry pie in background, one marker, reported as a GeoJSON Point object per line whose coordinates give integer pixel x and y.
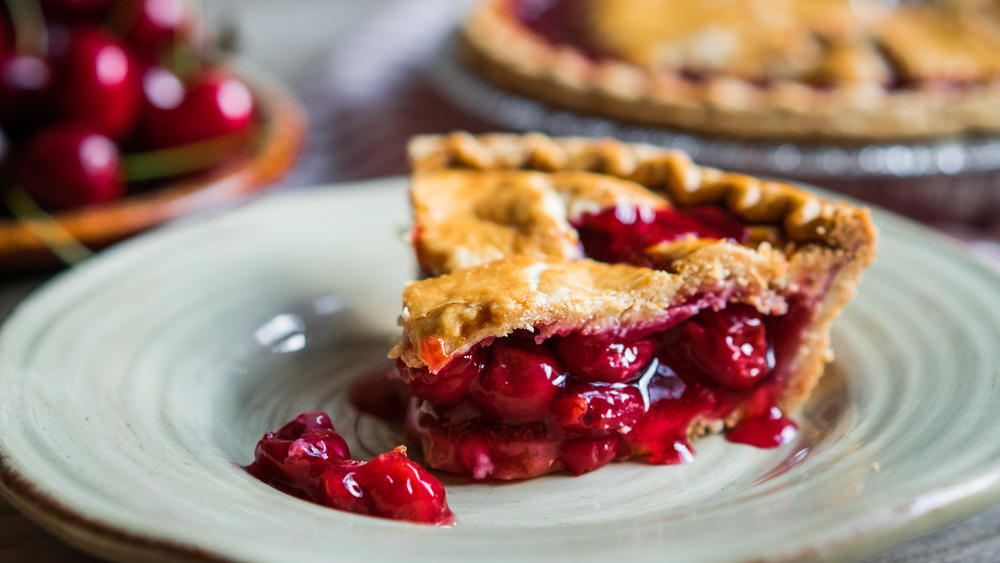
{"type": "Point", "coordinates": [840, 70]}
{"type": "Point", "coordinates": [593, 300]}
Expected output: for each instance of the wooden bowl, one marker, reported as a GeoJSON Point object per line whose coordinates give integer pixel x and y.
{"type": "Point", "coordinates": [280, 132]}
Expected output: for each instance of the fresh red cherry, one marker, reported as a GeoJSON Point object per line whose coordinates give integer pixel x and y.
{"type": "Point", "coordinates": [97, 82]}
{"type": "Point", "coordinates": [69, 165]}
{"type": "Point", "coordinates": [450, 383]}
{"type": "Point", "coordinates": [729, 345]}
{"type": "Point", "coordinates": [519, 382]}
{"type": "Point", "coordinates": [215, 104]}
{"type": "Point", "coordinates": [595, 358]}
{"type": "Point", "coordinates": [158, 25]}
{"type": "Point", "coordinates": [586, 454]}
{"type": "Point", "coordinates": [586, 408]}
{"type": "Point", "coordinates": [25, 85]}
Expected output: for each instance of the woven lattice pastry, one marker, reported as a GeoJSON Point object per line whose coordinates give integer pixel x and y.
{"type": "Point", "coordinates": [595, 300]}
{"type": "Point", "coordinates": [793, 69]}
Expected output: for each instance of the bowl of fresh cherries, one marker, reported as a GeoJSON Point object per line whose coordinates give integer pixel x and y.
{"type": "Point", "coordinates": [119, 115]}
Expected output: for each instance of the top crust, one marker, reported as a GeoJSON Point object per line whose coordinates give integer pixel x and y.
{"type": "Point", "coordinates": [838, 81]}
{"type": "Point", "coordinates": [799, 216]}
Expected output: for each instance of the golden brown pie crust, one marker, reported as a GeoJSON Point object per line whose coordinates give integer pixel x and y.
{"type": "Point", "coordinates": [824, 246]}
{"type": "Point", "coordinates": [948, 52]}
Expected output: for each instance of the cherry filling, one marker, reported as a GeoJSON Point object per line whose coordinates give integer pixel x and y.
{"type": "Point", "coordinates": [306, 458]}
{"type": "Point", "coordinates": [620, 234]}
{"type": "Point", "coordinates": [577, 401]}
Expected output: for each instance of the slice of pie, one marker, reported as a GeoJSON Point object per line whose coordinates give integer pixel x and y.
{"type": "Point", "coordinates": [594, 300]}
{"type": "Point", "coordinates": [790, 69]}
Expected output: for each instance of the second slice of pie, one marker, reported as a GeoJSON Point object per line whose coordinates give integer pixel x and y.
{"type": "Point", "coordinates": [595, 301]}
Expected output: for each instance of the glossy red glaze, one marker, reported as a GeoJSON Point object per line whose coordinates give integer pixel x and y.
{"type": "Point", "coordinates": [213, 105]}
{"type": "Point", "coordinates": [96, 82]}
{"type": "Point", "coordinates": [308, 459]}
{"type": "Point", "coordinates": [69, 165]}
{"type": "Point", "coordinates": [621, 234]}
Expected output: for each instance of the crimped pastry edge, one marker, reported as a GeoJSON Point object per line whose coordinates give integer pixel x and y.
{"type": "Point", "coordinates": [495, 45]}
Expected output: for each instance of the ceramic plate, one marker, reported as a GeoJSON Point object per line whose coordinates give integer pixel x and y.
{"type": "Point", "coordinates": [135, 387]}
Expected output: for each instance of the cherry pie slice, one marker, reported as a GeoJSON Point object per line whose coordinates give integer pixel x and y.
{"type": "Point", "coordinates": [595, 301]}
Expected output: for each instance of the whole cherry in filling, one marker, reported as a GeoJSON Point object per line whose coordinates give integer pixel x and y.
{"type": "Point", "coordinates": [519, 382]}
{"type": "Point", "coordinates": [601, 359]}
{"type": "Point", "coordinates": [307, 458]}
{"type": "Point", "coordinates": [730, 345]}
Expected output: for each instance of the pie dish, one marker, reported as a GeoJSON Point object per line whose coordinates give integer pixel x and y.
{"type": "Point", "coordinates": [595, 300]}
{"type": "Point", "coordinates": [767, 69]}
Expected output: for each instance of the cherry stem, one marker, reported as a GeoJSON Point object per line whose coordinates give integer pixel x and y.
{"type": "Point", "coordinates": [53, 235]}
{"type": "Point", "coordinates": [28, 20]}
{"type": "Point", "coordinates": [164, 163]}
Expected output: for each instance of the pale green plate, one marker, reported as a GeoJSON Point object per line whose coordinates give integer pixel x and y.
{"type": "Point", "coordinates": [134, 388]}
